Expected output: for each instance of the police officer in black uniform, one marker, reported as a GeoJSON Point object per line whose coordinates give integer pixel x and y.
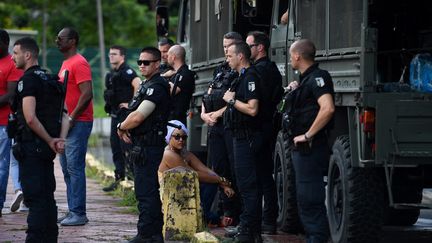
{"type": "Point", "coordinates": [219, 139]}
{"type": "Point", "coordinates": [182, 84]}
{"type": "Point", "coordinates": [311, 112]}
{"type": "Point", "coordinates": [241, 117]}
{"type": "Point", "coordinates": [145, 129]}
{"type": "Point", "coordinates": [120, 83]}
{"type": "Point", "coordinates": [164, 44]}
{"type": "Point", "coordinates": [39, 117]}
{"type": "Point", "coordinates": [270, 87]}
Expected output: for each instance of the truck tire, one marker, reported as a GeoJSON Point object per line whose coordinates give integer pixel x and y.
{"type": "Point", "coordinates": [355, 198]}
{"type": "Point", "coordinates": [288, 219]}
{"type": "Point", "coordinates": [404, 217]}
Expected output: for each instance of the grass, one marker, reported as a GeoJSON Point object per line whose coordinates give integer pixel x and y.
{"type": "Point", "coordinates": [127, 196]}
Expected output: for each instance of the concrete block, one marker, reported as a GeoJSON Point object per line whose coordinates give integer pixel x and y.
{"type": "Point", "coordinates": [181, 204]}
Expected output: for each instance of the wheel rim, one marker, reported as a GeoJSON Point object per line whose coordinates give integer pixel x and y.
{"type": "Point", "coordinates": [336, 197]}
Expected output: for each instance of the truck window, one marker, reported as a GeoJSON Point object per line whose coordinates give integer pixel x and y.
{"type": "Point", "coordinates": [345, 23]}
{"type": "Point", "coordinates": [198, 38]}
{"type": "Point", "coordinates": [311, 21]}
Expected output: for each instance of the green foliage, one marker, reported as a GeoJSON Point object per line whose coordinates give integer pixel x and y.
{"type": "Point", "coordinates": [125, 21]}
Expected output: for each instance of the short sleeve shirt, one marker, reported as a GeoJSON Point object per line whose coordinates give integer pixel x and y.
{"type": "Point", "coordinates": [156, 93]}
{"type": "Point", "coordinates": [185, 80]}
{"type": "Point", "coordinates": [247, 90]}
{"type": "Point", "coordinates": [8, 73]}
{"type": "Point", "coordinates": [247, 87]}
{"type": "Point", "coordinates": [79, 72]}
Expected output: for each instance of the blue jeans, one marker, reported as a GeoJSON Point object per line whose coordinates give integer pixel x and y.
{"type": "Point", "coordinates": [73, 166]}
{"type": "Point", "coordinates": [5, 148]}
{"type": "Point", "coordinates": [14, 172]}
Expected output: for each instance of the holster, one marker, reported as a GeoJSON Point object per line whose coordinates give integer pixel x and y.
{"type": "Point", "coordinates": [136, 154]}
{"type": "Point", "coordinates": [17, 151]}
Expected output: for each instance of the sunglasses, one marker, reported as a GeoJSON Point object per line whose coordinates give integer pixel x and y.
{"type": "Point", "coordinates": [252, 45]}
{"type": "Point", "coordinates": [178, 136]}
{"type": "Point", "coordinates": [145, 62]}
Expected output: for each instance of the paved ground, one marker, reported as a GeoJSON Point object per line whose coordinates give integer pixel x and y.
{"type": "Point", "coordinates": [108, 221]}
{"type": "Point", "coordinates": [111, 223]}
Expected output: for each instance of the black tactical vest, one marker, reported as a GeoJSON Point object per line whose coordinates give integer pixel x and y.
{"type": "Point", "coordinates": [153, 130]}
{"type": "Point", "coordinates": [49, 97]}
{"type": "Point", "coordinates": [219, 85]}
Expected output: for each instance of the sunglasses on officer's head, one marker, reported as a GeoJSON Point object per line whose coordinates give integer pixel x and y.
{"type": "Point", "coordinates": [178, 136]}
{"type": "Point", "coordinates": [145, 62]}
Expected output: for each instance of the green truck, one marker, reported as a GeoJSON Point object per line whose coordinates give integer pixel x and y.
{"type": "Point", "coordinates": [382, 140]}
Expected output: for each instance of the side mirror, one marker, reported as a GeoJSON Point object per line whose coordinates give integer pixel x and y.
{"type": "Point", "coordinates": [162, 21]}
{"type": "Point", "coordinates": [249, 8]}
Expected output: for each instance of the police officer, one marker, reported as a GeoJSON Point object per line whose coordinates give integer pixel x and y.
{"type": "Point", "coordinates": [241, 118]}
{"type": "Point", "coordinates": [121, 83]}
{"type": "Point", "coordinates": [270, 87]}
{"type": "Point", "coordinates": [39, 112]}
{"type": "Point", "coordinates": [145, 129]}
{"type": "Point", "coordinates": [219, 139]}
{"type": "Point", "coordinates": [164, 45]}
{"type": "Point", "coordinates": [182, 83]}
{"type": "Point", "coordinates": [312, 109]}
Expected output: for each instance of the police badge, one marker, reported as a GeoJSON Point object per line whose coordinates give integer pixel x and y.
{"type": "Point", "coordinates": [20, 86]}
{"type": "Point", "coordinates": [149, 91]}
{"type": "Point", "coordinates": [251, 86]}
{"type": "Point", "coordinates": [319, 81]}
{"type": "Point", "coordinates": [129, 71]}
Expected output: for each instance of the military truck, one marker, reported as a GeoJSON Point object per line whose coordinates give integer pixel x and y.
{"type": "Point", "coordinates": [382, 140]}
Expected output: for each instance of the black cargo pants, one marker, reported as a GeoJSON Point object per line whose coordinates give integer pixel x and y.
{"type": "Point", "coordinates": [38, 183]}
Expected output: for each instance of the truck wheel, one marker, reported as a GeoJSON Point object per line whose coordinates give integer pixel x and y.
{"type": "Point", "coordinates": [404, 217]}
{"type": "Point", "coordinates": [288, 219]}
{"type": "Point", "coordinates": [355, 198]}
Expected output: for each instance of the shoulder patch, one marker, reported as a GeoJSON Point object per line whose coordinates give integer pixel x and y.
{"type": "Point", "coordinates": [149, 91]}
{"type": "Point", "coordinates": [251, 86]}
{"type": "Point", "coordinates": [319, 81]}
{"type": "Point", "coordinates": [129, 71]}
{"type": "Point", "coordinates": [20, 86]}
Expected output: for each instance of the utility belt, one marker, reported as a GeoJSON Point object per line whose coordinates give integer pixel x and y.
{"type": "Point", "coordinates": [136, 153]}
{"type": "Point", "coordinates": [151, 138]}
{"type": "Point", "coordinates": [242, 133]}
{"type": "Point", "coordinates": [17, 149]}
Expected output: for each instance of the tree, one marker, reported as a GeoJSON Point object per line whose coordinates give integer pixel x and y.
{"type": "Point", "coordinates": [126, 22]}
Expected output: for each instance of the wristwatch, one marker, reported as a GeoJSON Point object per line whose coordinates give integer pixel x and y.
{"type": "Point", "coordinates": [119, 127]}
{"type": "Point", "coordinates": [232, 102]}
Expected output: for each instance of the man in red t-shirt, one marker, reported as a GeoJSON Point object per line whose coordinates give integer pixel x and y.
{"type": "Point", "coordinates": [80, 109]}
{"type": "Point", "coordinates": [8, 77]}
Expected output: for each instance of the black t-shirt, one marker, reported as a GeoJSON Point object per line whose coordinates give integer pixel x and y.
{"type": "Point", "coordinates": [314, 83]}
{"type": "Point", "coordinates": [120, 82]}
{"type": "Point", "coordinates": [185, 80]}
{"type": "Point", "coordinates": [270, 86]}
{"type": "Point", "coordinates": [247, 89]}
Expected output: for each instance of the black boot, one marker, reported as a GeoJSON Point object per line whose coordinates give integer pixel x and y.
{"type": "Point", "coordinates": [112, 186]}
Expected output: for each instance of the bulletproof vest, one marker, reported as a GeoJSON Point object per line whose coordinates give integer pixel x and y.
{"type": "Point", "coordinates": [154, 126]}
{"type": "Point", "coordinates": [219, 85]}
{"type": "Point", "coordinates": [122, 90]}
{"type": "Point", "coordinates": [49, 100]}
{"type": "Point", "coordinates": [234, 119]}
